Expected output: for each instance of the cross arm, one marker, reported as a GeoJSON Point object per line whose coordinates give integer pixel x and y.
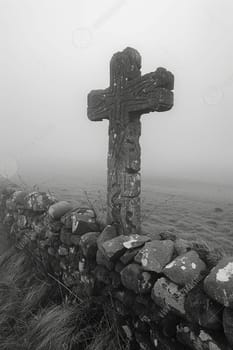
{"type": "Point", "coordinates": [151, 92]}
{"type": "Point", "coordinates": [97, 108]}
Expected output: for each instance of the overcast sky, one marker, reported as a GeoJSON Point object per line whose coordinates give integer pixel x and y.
{"type": "Point", "coordinates": [53, 52]}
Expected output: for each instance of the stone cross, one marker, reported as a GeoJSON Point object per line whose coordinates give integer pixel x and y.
{"type": "Point", "coordinates": [129, 95]}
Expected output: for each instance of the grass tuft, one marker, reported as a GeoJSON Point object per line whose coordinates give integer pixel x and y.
{"type": "Point", "coordinates": [36, 315]}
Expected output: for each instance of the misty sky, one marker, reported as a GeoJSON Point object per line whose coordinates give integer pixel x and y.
{"type": "Point", "coordinates": [53, 52]}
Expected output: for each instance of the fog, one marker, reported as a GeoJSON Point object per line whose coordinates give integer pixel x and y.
{"type": "Point", "coordinates": [53, 52]}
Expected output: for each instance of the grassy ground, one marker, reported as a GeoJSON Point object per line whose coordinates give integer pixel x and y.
{"type": "Point", "coordinates": [190, 209]}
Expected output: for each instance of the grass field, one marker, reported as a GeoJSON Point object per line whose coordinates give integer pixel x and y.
{"type": "Point", "coordinates": [189, 209]}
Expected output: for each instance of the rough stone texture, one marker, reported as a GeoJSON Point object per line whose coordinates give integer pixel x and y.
{"type": "Point", "coordinates": [39, 201]}
{"type": "Point", "coordinates": [219, 283]}
{"type": "Point", "coordinates": [80, 220]}
{"type": "Point", "coordinates": [108, 233]}
{"type": "Point", "coordinates": [167, 293]}
{"type": "Point", "coordinates": [116, 247]}
{"type": "Point", "coordinates": [155, 255]}
{"type": "Point", "coordinates": [182, 246]}
{"type": "Point", "coordinates": [201, 309]}
{"type": "Point", "coordinates": [88, 244]}
{"type": "Point", "coordinates": [129, 255]}
{"type": "Point", "coordinates": [228, 324]}
{"type": "Point", "coordinates": [135, 241]}
{"type": "Point", "coordinates": [211, 256]}
{"type": "Point", "coordinates": [185, 268]}
{"type": "Point", "coordinates": [134, 278]}
{"type": "Point", "coordinates": [129, 96]}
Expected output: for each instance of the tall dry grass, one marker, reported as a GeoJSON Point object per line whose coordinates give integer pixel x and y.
{"type": "Point", "coordinates": [35, 313]}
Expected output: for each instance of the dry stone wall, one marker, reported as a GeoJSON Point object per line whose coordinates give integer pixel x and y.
{"type": "Point", "coordinates": [168, 293]}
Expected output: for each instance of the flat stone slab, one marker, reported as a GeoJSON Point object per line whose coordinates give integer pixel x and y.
{"type": "Point", "coordinates": [107, 234]}
{"type": "Point", "coordinates": [134, 278]}
{"type": "Point", "coordinates": [219, 283]}
{"type": "Point", "coordinates": [116, 247]}
{"type": "Point", "coordinates": [135, 241]}
{"type": "Point", "coordinates": [185, 268]}
{"type": "Point", "coordinates": [80, 221]}
{"type": "Point", "coordinates": [155, 255]}
{"type": "Point", "coordinates": [58, 209]}
{"type": "Point", "coordinates": [113, 248]}
{"type": "Point", "coordinates": [71, 218]}
{"type": "Point", "coordinates": [167, 294]}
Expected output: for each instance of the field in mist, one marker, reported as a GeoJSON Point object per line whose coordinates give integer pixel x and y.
{"type": "Point", "coordinates": [190, 209]}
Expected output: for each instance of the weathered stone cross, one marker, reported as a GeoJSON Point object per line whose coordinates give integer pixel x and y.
{"type": "Point", "coordinates": [129, 96]}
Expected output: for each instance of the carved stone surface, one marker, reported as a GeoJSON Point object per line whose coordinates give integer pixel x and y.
{"type": "Point", "coordinates": [129, 96]}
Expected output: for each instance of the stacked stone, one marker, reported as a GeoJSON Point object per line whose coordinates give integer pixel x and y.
{"type": "Point", "coordinates": [165, 294]}
{"type": "Point", "coordinates": [52, 232]}
{"type": "Point", "coordinates": [168, 293]}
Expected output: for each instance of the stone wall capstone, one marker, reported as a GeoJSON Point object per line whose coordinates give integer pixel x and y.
{"type": "Point", "coordinates": [168, 293]}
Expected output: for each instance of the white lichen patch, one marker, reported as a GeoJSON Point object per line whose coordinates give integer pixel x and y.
{"type": "Point", "coordinates": [224, 274]}
{"type": "Point", "coordinates": [129, 244]}
{"type": "Point", "coordinates": [169, 266]}
{"type": "Point", "coordinates": [144, 259]}
{"type": "Point", "coordinates": [194, 266]}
